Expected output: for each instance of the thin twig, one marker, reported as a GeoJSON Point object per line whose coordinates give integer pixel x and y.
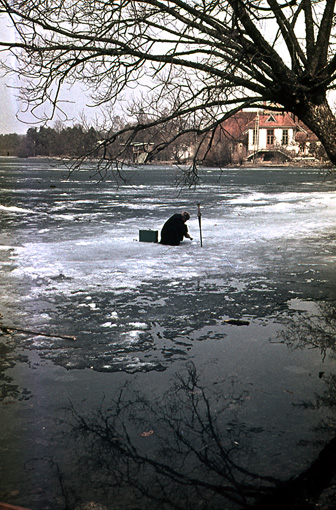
{"type": "Point", "coordinates": [11, 329]}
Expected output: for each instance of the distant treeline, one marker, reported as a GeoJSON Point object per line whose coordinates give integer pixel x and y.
{"type": "Point", "coordinates": [77, 141]}
{"type": "Point", "coordinates": [46, 141]}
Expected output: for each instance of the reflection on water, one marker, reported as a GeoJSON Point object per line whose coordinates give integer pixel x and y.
{"type": "Point", "coordinates": [9, 391]}
{"type": "Point", "coordinates": [185, 447]}
{"type": "Point", "coordinates": [190, 445]}
{"type": "Point", "coordinates": [172, 404]}
{"type": "Point", "coordinates": [316, 328]}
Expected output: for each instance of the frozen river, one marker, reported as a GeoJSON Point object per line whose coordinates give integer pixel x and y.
{"type": "Point", "coordinates": [159, 400]}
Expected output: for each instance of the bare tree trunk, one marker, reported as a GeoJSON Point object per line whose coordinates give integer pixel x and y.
{"type": "Point", "coordinates": [321, 120]}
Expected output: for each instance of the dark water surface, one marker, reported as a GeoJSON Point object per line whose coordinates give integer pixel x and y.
{"type": "Point", "coordinates": [159, 402]}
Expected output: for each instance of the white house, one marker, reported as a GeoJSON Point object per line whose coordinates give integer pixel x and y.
{"type": "Point", "coordinates": [270, 131]}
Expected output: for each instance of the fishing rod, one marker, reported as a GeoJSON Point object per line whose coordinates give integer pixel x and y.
{"type": "Point", "coordinates": [199, 214]}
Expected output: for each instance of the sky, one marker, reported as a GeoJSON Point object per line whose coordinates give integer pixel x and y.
{"type": "Point", "coordinates": [14, 118]}
{"type": "Point", "coordinates": [8, 105]}
{"type": "Point", "coordinates": [8, 121]}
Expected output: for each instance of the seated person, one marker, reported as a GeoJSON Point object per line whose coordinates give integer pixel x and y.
{"type": "Point", "coordinates": [175, 229]}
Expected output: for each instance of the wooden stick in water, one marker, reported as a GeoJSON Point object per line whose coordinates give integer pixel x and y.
{"type": "Point", "coordinates": [12, 329]}
{"type": "Point", "coordinates": [5, 506]}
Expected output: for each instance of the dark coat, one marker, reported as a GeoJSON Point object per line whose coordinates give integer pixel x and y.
{"type": "Point", "coordinates": [173, 230]}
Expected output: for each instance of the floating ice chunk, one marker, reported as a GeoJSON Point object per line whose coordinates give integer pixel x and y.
{"type": "Point", "coordinates": [93, 306]}
{"type": "Point", "coordinates": [132, 336]}
{"type": "Point", "coordinates": [13, 208]}
{"type": "Point", "coordinates": [69, 217]}
{"type": "Point", "coordinates": [139, 325]}
{"type": "Point", "coordinates": [83, 243]}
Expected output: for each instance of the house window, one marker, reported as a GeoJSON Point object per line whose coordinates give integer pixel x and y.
{"type": "Point", "coordinates": [270, 136]}
{"type": "Point", "coordinates": [255, 136]}
{"type": "Point", "coordinates": [285, 137]}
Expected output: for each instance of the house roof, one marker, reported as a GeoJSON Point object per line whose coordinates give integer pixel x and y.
{"type": "Point", "coordinates": [305, 136]}
{"type": "Point", "coordinates": [235, 126]}
{"type": "Point", "coordinates": [271, 120]}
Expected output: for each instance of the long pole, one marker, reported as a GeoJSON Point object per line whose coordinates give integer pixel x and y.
{"type": "Point", "coordinates": [199, 214]}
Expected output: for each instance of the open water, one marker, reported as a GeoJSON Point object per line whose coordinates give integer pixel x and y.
{"type": "Point", "coordinates": [159, 401]}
